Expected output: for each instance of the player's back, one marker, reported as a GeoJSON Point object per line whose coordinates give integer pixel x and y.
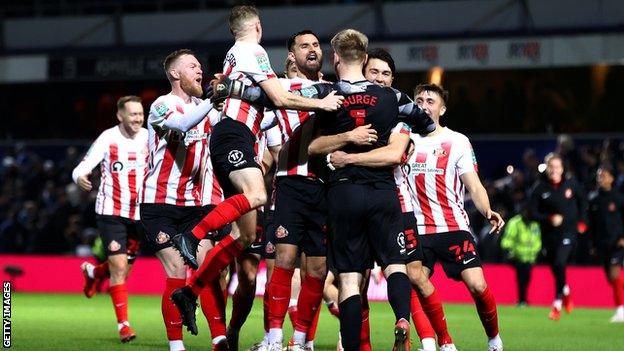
{"type": "Point", "coordinates": [365, 103]}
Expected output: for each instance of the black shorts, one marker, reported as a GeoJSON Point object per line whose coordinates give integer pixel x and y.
{"type": "Point", "coordinates": [231, 149]}
{"type": "Point", "coordinates": [119, 235]}
{"type": "Point", "coordinates": [410, 236]}
{"type": "Point", "coordinates": [300, 214]}
{"type": "Point", "coordinates": [456, 250]}
{"type": "Point", "coordinates": [366, 224]}
{"type": "Point", "coordinates": [613, 257]}
{"type": "Point", "coordinates": [161, 221]}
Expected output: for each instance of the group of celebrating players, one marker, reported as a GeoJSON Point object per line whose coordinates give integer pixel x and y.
{"type": "Point", "coordinates": [363, 175]}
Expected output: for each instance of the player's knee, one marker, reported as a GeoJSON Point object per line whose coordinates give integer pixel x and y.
{"type": "Point", "coordinates": [257, 198]}
{"type": "Point", "coordinates": [477, 287]}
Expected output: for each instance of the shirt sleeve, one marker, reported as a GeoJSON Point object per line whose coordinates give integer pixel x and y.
{"type": "Point", "coordinates": [257, 65]}
{"type": "Point", "coordinates": [467, 161]}
{"type": "Point", "coordinates": [92, 158]}
{"type": "Point", "coordinates": [274, 136]}
{"type": "Point", "coordinates": [402, 128]}
{"type": "Point", "coordinates": [165, 114]}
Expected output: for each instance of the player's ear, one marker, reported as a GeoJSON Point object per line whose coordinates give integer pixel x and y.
{"type": "Point", "coordinates": [119, 116]}
{"type": "Point", "coordinates": [173, 73]}
{"type": "Point", "coordinates": [442, 110]}
{"type": "Point", "coordinates": [291, 56]}
{"type": "Point", "coordinates": [365, 60]}
{"type": "Point", "coordinates": [336, 58]}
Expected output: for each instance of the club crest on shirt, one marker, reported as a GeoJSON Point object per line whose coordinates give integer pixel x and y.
{"type": "Point", "coordinates": [270, 248]}
{"type": "Point", "coordinates": [162, 238]}
{"type": "Point", "coordinates": [440, 153]}
{"type": "Point", "coordinates": [281, 232]}
{"type": "Point", "coordinates": [114, 246]}
{"type": "Point", "coordinates": [568, 193]}
{"type": "Point", "coordinates": [161, 109]}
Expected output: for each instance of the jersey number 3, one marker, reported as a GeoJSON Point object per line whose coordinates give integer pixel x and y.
{"type": "Point", "coordinates": [359, 116]}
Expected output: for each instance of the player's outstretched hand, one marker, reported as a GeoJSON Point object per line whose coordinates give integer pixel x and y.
{"type": "Point", "coordinates": [496, 221]}
{"type": "Point", "coordinates": [84, 183]}
{"type": "Point", "coordinates": [331, 102]}
{"type": "Point", "coordinates": [362, 135]}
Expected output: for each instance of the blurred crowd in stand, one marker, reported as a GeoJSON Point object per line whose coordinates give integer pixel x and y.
{"type": "Point", "coordinates": [43, 211]}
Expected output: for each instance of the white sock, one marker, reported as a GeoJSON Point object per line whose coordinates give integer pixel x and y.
{"type": "Point", "coordinates": [121, 325]}
{"type": "Point", "coordinates": [90, 269]}
{"type": "Point", "coordinates": [293, 302]}
{"type": "Point", "coordinates": [176, 345]}
{"type": "Point", "coordinates": [620, 310]}
{"type": "Point", "coordinates": [309, 345]}
{"type": "Point", "coordinates": [275, 335]}
{"type": "Point", "coordinates": [557, 304]}
{"type": "Point", "coordinates": [496, 342]}
{"type": "Point", "coordinates": [218, 339]}
{"type": "Point", "coordinates": [566, 290]}
{"type": "Point", "coordinates": [428, 344]}
{"type": "Point", "coordinates": [299, 337]}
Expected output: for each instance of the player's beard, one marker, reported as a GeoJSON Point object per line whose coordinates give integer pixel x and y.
{"type": "Point", "coordinates": [191, 87]}
{"type": "Point", "coordinates": [310, 69]}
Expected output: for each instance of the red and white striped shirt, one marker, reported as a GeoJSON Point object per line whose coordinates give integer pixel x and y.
{"type": "Point", "coordinates": [249, 63]}
{"type": "Point", "coordinates": [212, 194]}
{"type": "Point", "coordinates": [123, 164]}
{"type": "Point", "coordinates": [403, 189]}
{"type": "Point", "coordinates": [298, 130]}
{"type": "Point", "coordinates": [433, 173]}
{"type": "Point", "coordinates": [176, 160]}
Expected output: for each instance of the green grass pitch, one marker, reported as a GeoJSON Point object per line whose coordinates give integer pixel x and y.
{"type": "Point", "coordinates": [50, 322]}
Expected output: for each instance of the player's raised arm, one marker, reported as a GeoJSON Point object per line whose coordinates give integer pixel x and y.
{"type": "Point", "coordinates": [92, 158]}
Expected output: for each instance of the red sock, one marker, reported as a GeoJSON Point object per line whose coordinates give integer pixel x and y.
{"type": "Point", "coordinates": [421, 322]}
{"type": "Point", "coordinates": [311, 334]}
{"type": "Point", "coordinates": [101, 271]}
{"type": "Point", "coordinates": [242, 302]}
{"type": "Point", "coordinates": [171, 315]}
{"type": "Point", "coordinates": [618, 290]}
{"type": "Point", "coordinates": [119, 295]}
{"type": "Point", "coordinates": [265, 308]}
{"type": "Point", "coordinates": [292, 315]}
{"type": "Point", "coordinates": [486, 307]}
{"type": "Point", "coordinates": [365, 344]}
{"type": "Point", "coordinates": [432, 305]}
{"type": "Point", "coordinates": [309, 301]}
{"type": "Point", "coordinates": [279, 290]}
{"type": "Point", "coordinates": [217, 259]}
{"type": "Point", "coordinates": [226, 212]}
{"type": "Point", "coordinates": [213, 307]}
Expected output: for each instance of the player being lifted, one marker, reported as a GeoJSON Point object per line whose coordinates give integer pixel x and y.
{"type": "Point", "coordinates": [441, 166]}
{"type": "Point", "coordinates": [121, 152]}
{"type": "Point", "coordinates": [232, 154]}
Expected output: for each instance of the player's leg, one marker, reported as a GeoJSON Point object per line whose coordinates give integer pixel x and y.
{"type": "Point", "coordinates": [233, 157]}
{"type": "Point", "coordinates": [523, 273]}
{"type": "Point", "coordinates": [350, 304]}
{"type": "Point", "coordinates": [311, 294]}
{"type": "Point", "coordinates": [561, 262]}
{"type": "Point", "coordinates": [615, 277]}
{"type": "Point", "coordinates": [330, 294]}
{"type": "Point", "coordinates": [486, 305]}
{"type": "Point", "coordinates": [243, 298]}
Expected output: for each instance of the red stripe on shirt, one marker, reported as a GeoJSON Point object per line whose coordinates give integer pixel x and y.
{"type": "Point", "coordinates": [165, 169]}
{"type": "Point", "coordinates": [421, 192]}
{"type": "Point", "coordinates": [185, 174]}
{"type": "Point", "coordinates": [113, 151]}
{"type": "Point", "coordinates": [442, 163]}
{"type": "Point", "coordinates": [132, 185]}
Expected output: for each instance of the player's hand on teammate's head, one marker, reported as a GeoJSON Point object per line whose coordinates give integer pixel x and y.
{"type": "Point", "coordinates": [362, 135]}
{"type": "Point", "coordinates": [84, 183]}
{"type": "Point", "coordinates": [337, 159]}
{"type": "Point", "coordinates": [331, 102]}
{"type": "Point", "coordinates": [495, 220]}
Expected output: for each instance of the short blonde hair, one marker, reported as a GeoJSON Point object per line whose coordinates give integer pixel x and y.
{"type": "Point", "coordinates": [239, 16]}
{"type": "Point", "coordinates": [350, 44]}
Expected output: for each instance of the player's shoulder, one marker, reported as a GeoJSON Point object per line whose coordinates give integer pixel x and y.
{"type": "Point", "coordinates": [455, 135]}
{"type": "Point", "coordinates": [166, 99]}
{"type": "Point", "coordinates": [241, 47]}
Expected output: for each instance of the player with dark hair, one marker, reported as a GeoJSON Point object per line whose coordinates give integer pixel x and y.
{"type": "Point", "coordinates": [380, 69]}
{"type": "Point", "coordinates": [441, 165]}
{"type": "Point", "coordinates": [606, 209]}
{"type": "Point", "coordinates": [121, 153]}
{"type": "Point", "coordinates": [364, 211]}
{"type": "Point", "coordinates": [558, 203]}
{"type": "Point", "coordinates": [232, 154]}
